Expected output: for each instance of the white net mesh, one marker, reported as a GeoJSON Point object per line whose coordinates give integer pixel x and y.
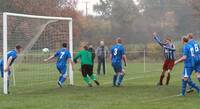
{"type": "Point", "coordinates": [145, 61]}
{"type": "Point", "coordinates": [35, 34]}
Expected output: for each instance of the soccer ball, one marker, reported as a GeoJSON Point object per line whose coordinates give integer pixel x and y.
{"type": "Point", "coordinates": [45, 50]}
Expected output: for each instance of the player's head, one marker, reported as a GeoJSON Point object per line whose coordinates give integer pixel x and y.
{"type": "Point", "coordinates": [18, 48]}
{"type": "Point", "coordinates": [168, 40]}
{"type": "Point", "coordinates": [102, 43]}
{"type": "Point", "coordinates": [85, 45]}
{"type": "Point", "coordinates": [118, 40]}
{"type": "Point", "coordinates": [184, 39]}
{"type": "Point", "coordinates": [90, 46]}
{"type": "Point", "coordinates": [64, 45]}
{"type": "Point", "coordinates": [190, 36]}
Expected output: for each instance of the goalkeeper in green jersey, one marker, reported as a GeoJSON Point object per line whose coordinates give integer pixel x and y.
{"type": "Point", "coordinates": [86, 59]}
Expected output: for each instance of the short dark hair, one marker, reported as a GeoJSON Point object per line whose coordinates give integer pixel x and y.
{"type": "Point", "coordinates": [18, 47]}
{"type": "Point", "coordinates": [64, 45]}
{"type": "Point", "coordinates": [119, 40]}
{"type": "Point", "coordinates": [86, 47]}
{"type": "Point", "coordinates": [168, 38]}
{"type": "Point", "coordinates": [190, 35]}
{"type": "Point", "coordinates": [185, 39]}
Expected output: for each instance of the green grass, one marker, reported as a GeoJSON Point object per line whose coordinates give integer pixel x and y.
{"type": "Point", "coordinates": [36, 89]}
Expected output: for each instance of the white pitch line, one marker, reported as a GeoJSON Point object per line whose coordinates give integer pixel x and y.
{"type": "Point", "coordinates": [104, 83]}
{"type": "Point", "coordinates": [140, 77]}
{"type": "Point", "coordinates": [41, 83]}
{"type": "Point", "coordinates": [160, 99]}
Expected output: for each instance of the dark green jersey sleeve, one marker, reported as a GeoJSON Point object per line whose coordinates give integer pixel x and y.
{"type": "Point", "coordinates": [85, 57]}
{"type": "Point", "coordinates": [77, 57]}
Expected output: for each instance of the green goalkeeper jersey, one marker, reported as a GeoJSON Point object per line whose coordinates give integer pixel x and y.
{"type": "Point", "coordinates": [85, 57]}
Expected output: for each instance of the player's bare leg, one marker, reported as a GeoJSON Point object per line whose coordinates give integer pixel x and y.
{"type": "Point", "coordinates": [168, 76]}
{"type": "Point", "coordinates": [198, 76]}
{"type": "Point", "coordinates": [162, 75]}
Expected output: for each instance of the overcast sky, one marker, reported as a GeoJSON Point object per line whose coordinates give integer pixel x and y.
{"type": "Point", "coordinates": [82, 5]}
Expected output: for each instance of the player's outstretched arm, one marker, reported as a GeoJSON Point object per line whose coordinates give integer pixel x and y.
{"type": "Point", "coordinates": [76, 58]}
{"type": "Point", "coordinates": [71, 62]}
{"type": "Point", "coordinates": [180, 60]}
{"type": "Point", "coordinates": [8, 64]}
{"type": "Point", "coordinates": [157, 39]}
{"type": "Point", "coordinates": [50, 58]}
{"type": "Point", "coordinates": [110, 58]}
{"type": "Point", "coordinates": [125, 60]}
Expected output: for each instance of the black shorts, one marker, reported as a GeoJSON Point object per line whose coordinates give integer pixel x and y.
{"type": "Point", "coordinates": [86, 70]}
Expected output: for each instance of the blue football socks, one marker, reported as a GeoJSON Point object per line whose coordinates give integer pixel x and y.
{"type": "Point", "coordinates": [198, 79]}
{"type": "Point", "coordinates": [184, 83]}
{"type": "Point", "coordinates": [193, 85]}
{"type": "Point", "coordinates": [114, 80]}
{"type": "Point", "coordinates": [62, 79]}
{"type": "Point", "coordinates": [120, 79]}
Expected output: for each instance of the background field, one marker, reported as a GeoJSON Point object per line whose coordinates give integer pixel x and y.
{"type": "Point", "coordinates": [138, 91]}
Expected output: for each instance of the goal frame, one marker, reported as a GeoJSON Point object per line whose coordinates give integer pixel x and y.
{"type": "Point", "coordinates": [5, 41]}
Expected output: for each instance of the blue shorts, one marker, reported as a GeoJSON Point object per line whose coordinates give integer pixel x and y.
{"type": "Point", "coordinates": [187, 72]}
{"type": "Point", "coordinates": [62, 69]}
{"type": "Point", "coordinates": [1, 69]}
{"type": "Point", "coordinates": [197, 59]}
{"type": "Point", "coordinates": [117, 67]}
{"type": "Point", "coordinates": [197, 68]}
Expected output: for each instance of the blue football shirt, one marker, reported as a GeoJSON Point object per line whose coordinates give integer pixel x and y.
{"type": "Point", "coordinates": [195, 46]}
{"type": "Point", "coordinates": [188, 51]}
{"type": "Point", "coordinates": [10, 54]}
{"type": "Point", "coordinates": [117, 52]}
{"type": "Point", "coordinates": [62, 56]}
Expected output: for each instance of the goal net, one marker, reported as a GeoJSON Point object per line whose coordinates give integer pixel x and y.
{"type": "Point", "coordinates": [34, 33]}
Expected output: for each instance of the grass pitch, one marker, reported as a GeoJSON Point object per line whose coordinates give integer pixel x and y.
{"type": "Point", "coordinates": [36, 88]}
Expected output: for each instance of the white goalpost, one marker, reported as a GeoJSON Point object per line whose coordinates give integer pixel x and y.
{"type": "Point", "coordinates": [40, 32]}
